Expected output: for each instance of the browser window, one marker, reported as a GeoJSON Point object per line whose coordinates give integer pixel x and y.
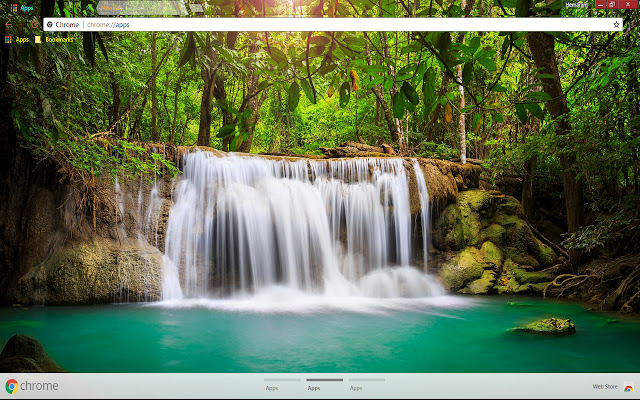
{"type": "Point", "coordinates": [320, 198]}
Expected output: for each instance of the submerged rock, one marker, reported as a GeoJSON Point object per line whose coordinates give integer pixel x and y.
{"type": "Point", "coordinates": [549, 326]}
{"type": "Point", "coordinates": [25, 354]}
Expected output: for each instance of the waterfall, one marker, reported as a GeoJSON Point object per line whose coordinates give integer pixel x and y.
{"type": "Point", "coordinates": [424, 213]}
{"type": "Point", "coordinates": [240, 224]}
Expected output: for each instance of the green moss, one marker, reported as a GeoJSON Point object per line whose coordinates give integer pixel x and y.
{"type": "Point", "coordinates": [545, 254]}
{"type": "Point", "coordinates": [460, 224]}
{"type": "Point", "coordinates": [510, 206]}
{"type": "Point", "coordinates": [477, 200]}
{"type": "Point", "coordinates": [491, 254]}
{"type": "Point", "coordinates": [524, 276]}
{"type": "Point", "coordinates": [483, 285]}
{"type": "Point", "coordinates": [496, 222]}
{"type": "Point", "coordinates": [467, 266]}
{"type": "Point", "coordinates": [515, 279]}
{"type": "Point", "coordinates": [449, 233]}
{"type": "Point", "coordinates": [507, 284]}
{"type": "Point", "coordinates": [507, 281]}
{"type": "Point", "coordinates": [525, 259]}
{"type": "Point", "coordinates": [494, 233]}
{"type": "Point", "coordinates": [538, 287]}
{"type": "Point", "coordinates": [506, 220]}
{"type": "Point", "coordinates": [549, 326]}
{"type": "Point", "coordinates": [457, 228]}
{"type": "Point", "coordinates": [25, 354]}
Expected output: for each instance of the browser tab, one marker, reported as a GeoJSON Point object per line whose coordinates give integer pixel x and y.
{"type": "Point", "coordinates": [128, 7]}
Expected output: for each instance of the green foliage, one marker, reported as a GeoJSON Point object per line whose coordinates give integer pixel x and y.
{"type": "Point", "coordinates": [617, 227]}
{"type": "Point", "coordinates": [345, 94]}
{"type": "Point", "coordinates": [66, 96]}
{"type": "Point", "coordinates": [294, 96]}
{"type": "Point", "coordinates": [438, 150]}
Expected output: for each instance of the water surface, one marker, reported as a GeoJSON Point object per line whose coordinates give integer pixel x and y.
{"type": "Point", "coordinates": [447, 334]}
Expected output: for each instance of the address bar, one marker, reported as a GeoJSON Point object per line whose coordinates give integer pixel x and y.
{"type": "Point", "coordinates": [333, 24]}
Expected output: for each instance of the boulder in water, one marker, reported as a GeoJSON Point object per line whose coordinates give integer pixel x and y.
{"type": "Point", "coordinates": [549, 327]}
{"type": "Point", "coordinates": [472, 271]}
{"type": "Point", "coordinates": [25, 354]}
{"type": "Point", "coordinates": [464, 268]}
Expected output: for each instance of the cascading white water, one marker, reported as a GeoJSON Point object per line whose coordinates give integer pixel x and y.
{"type": "Point", "coordinates": [239, 225]}
{"type": "Point", "coordinates": [425, 212]}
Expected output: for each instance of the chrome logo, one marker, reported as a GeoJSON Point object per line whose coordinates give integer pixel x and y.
{"type": "Point", "coordinates": [11, 386]}
{"type": "Point", "coordinates": [626, 389]}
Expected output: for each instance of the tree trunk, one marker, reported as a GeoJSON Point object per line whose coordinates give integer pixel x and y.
{"type": "Point", "coordinates": [136, 124]}
{"type": "Point", "coordinates": [254, 105]}
{"type": "Point", "coordinates": [543, 52]}
{"type": "Point", "coordinates": [533, 128]}
{"type": "Point", "coordinates": [115, 107]}
{"type": "Point", "coordinates": [208, 73]}
{"type": "Point", "coordinates": [220, 93]}
{"type": "Point", "coordinates": [461, 119]}
{"type": "Point", "coordinates": [155, 137]}
{"type": "Point", "coordinates": [175, 112]}
{"type": "Point", "coordinates": [204, 130]}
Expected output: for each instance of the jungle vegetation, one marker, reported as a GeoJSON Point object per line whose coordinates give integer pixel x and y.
{"type": "Point", "coordinates": [560, 111]}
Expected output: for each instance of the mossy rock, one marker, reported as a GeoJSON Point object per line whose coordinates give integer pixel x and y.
{"type": "Point", "coordinates": [508, 282]}
{"type": "Point", "coordinates": [459, 224]}
{"type": "Point", "coordinates": [25, 354]}
{"type": "Point", "coordinates": [491, 254]}
{"type": "Point", "coordinates": [450, 232]}
{"type": "Point", "coordinates": [483, 285]}
{"type": "Point", "coordinates": [522, 246]}
{"type": "Point", "coordinates": [516, 279]}
{"type": "Point", "coordinates": [510, 206]}
{"type": "Point", "coordinates": [538, 288]}
{"type": "Point", "coordinates": [548, 327]}
{"type": "Point", "coordinates": [479, 201]}
{"type": "Point", "coordinates": [545, 254]}
{"type": "Point", "coordinates": [494, 233]}
{"type": "Point", "coordinates": [466, 267]}
{"type": "Point", "coordinates": [495, 222]}
{"type": "Point", "coordinates": [519, 234]}
{"type": "Point", "coordinates": [523, 258]}
{"type": "Point", "coordinates": [506, 220]}
{"type": "Point", "coordinates": [524, 276]}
